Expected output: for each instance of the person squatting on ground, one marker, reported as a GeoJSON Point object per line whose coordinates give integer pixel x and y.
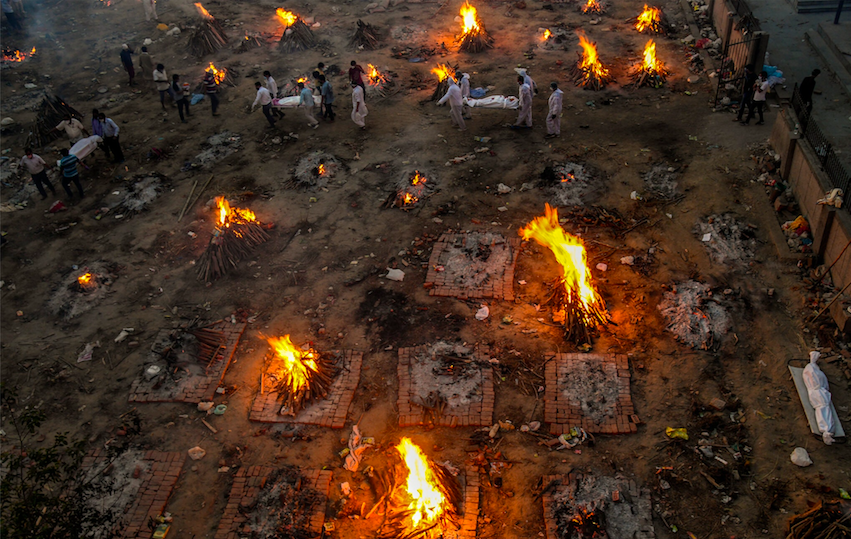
{"type": "Point", "coordinates": [524, 116]}
{"type": "Point", "coordinates": [747, 91]}
{"type": "Point", "coordinates": [110, 137]}
{"type": "Point", "coordinates": [760, 90]}
{"type": "Point", "coordinates": [453, 95]}
{"type": "Point", "coordinates": [127, 60]}
{"type": "Point", "coordinates": [36, 167]}
{"type": "Point", "coordinates": [163, 87]}
{"type": "Point", "coordinates": [305, 101]}
{"type": "Point", "coordinates": [68, 165]}
{"type": "Point", "coordinates": [359, 110]}
{"type": "Point", "coordinates": [72, 127]}
{"type": "Point", "coordinates": [272, 86]}
{"type": "Point", "coordinates": [464, 84]}
{"type": "Point", "coordinates": [326, 105]}
{"type": "Point", "coordinates": [555, 103]}
{"type": "Point", "coordinates": [146, 65]}
{"type": "Point", "coordinates": [806, 89]}
{"type": "Point", "coordinates": [264, 99]}
{"type": "Point", "coordinates": [181, 92]}
{"type": "Point", "coordinates": [212, 88]}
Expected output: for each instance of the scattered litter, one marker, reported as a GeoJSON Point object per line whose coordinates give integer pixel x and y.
{"type": "Point", "coordinates": [628, 260]}
{"type": "Point", "coordinates": [124, 334]}
{"type": "Point", "coordinates": [727, 239]}
{"type": "Point", "coordinates": [483, 313]}
{"type": "Point", "coordinates": [357, 446]}
{"type": "Point", "coordinates": [800, 457]}
{"type": "Point", "coordinates": [694, 316]}
{"type": "Point", "coordinates": [395, 274]}
{"type": "Point", "coordinates": [196, 453]}
{"type": "Point", "coordinates": [86, 354]}
{"type": "Point", "coordinates": [676, 433]}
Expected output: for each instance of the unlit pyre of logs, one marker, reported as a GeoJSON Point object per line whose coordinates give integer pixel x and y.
{"type": "Point", "coordinates": [317, 387]}
{"type": "Point", "coordinates": [298, 37]}
{"type": "Point", "coordinates": [366, 37]}
{"type": "Point", "coordinates": [210, 342]}
{"type": "Point", "coordinates": [228, 247]}
{"type": "Point", "coordinates": [209, 37]}
{"type": "Point", "coordinates": [249, 43]}
{"type": "Point", "coordinates": [51, 112]}
{"type": "Point", "coordinates": [476, 41]}
{"type": "Point", "coordinates": [579, 321]}
{"type": "Point", "coordinates": [828, 520]}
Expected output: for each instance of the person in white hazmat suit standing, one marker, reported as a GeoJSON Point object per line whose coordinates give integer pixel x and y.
{"type": "Point", "coordinates": [456, 103]}
{"type": "Point", "coordinates": [524, 117]}
{"type": "Point", "coordinates": [465, 94]}
{"type": "Point", "coordinates": [359, 110]}
{"type": "Point", "coordinates": [556, 103]}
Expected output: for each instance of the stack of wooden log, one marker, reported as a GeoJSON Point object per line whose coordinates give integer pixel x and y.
{"type": "Point", "coordinates": [228, 246]}
{"type": "Point", "coordinates": [656, 25]}
{"type": "Point", "coordinates": [52, 110]}
{"type": "Point", "coordinates": [210, 343]}
{"type": "Point", "coordinates": [249, 43]}
{"type": "Point", "coordinates": [828, 520]}
{"type": "Point", "coordinates": [209, 37]}
{"type": "Point", "coordinates": [281, 378]}
{"type": "Point", "coordinates": [476, 41]}
{"type": "Point", "coordinates": [594, 7]}
{"type": "Point", "coordinates": [588, 78]}
{"type": "Point", "coordinates": [580, 321]}
{"type": "Point", "coordinates": [366, 37]}
{"type": "Point", "coordinates": [297, 37]}
{"type": "Point", "coordinates": [648, 77]}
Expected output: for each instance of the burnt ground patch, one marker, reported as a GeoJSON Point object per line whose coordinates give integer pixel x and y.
{"type": "Point", "coordinates": [396, 318]}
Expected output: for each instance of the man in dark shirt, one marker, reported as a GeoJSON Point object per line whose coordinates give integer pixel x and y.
{"type": "Point", "coordinates": [747, 91]}
{"type": "Point", "coordinates": [808, 85]}
{"type": "Point", "coordinates": [356, 75]}
{"type": "Point", "coordinates": [127, 60]}
{"type": "Point", "coordinates": [68, 165]}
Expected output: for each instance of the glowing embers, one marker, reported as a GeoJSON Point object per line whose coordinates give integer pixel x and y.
{"type": "Point", "coordinates": [593, 7]}
{"type": "Point", "coordinates": [474, 37]}
{"type": "Point", "coordinates": [14, 56]}
{"type": "Point", "coordinates": [87, 282]}
{"type": "Point", "coordinates": [223, 75]}
{"type": "Point", "coordinates": [83, 289]}
{"type": "Point", "coordinates": [377, 82]}
{"type": "Point", "coordinates": [413, 188]}
{"type": "Point", "coordinates": [297, 35]}
{"type": "Point", "coordinates": [651, 20]}
{"type": "Point", "coordinates": [473, 265]}
{"type": "Point", "coordinates": [237, 232]}
{"type": "Point", "coordinates": [578, 306]}
{"type": "Point", "coordinates": [588, 71]}
{"type": "Point", "coordinates": [314, 171]}
{"type": "Point", "coordinates": [210, 35]}
{"type": "Point", "coordinates": [650, 71]}
{"type": "Point", "coordinates": [555, 38]}
{"type": "Point", "coordinates": [299, 376]}
{"type": "Point", "coordinates": [249, 43]}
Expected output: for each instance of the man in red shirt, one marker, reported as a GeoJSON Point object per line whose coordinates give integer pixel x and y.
{"type": "Point", "coordinates": [356, 73]}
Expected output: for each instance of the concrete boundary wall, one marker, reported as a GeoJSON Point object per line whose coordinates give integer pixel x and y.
{"type": "Point", "coordinates": [809, 183]}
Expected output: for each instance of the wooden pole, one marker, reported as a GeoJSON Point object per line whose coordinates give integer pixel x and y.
{"type": "Point", "coordinates": [826, 307]}
{"type": "Point", "coordinates": [186, 205]}
{"type": "Point", "coordinates": [199, 194]}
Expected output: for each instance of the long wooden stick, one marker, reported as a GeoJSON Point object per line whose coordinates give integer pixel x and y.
{"type": "Point", "coordinates": [831, 266]}
{"type": "Point", "coordinates": [826, 307]}
{"type": "Point", "coordinates": [199, 193]}
{"type": "Point", "coordinates": [186, 205]}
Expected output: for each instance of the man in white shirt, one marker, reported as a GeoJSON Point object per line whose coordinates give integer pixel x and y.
{"type": "Point", "coordinates": [359, 110]}
{"type": "Point", "coordinates": [110, 137]}
{"type": "Point", "coordinates": [73, 128]}
{"type": "Point", "coordinates": [456, 102]}
{"type": "Point", "coordinates": [554, 111]}
{"type": "Point", "coordinates": [264, 98]}
{"type": "Point", "coordinates": [760, 90]}
{"type": "Point", "coordinates": [35, 165]}
{"type": "Point", "coordinates": [524, 117]}
{"type": "Point", "coordinates": [272, 86]}
{"type": "Point", "coordinates": [163, 86]}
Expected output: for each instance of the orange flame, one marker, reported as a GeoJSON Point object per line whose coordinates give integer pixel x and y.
{"type": "Point", "coordinates": [592, 6]}
{"type": "Point", "coordinates": [228, 215]}
{"type": "Point", "coordinates": [288, 18]}
{"type": "Point", "coordinates": [408, 198]}
{"type": "Point", "coordinates": [546, 35]}
{"type": "Point", "coordinates": [427, 501]}
{"type": "Point", "coordinates": [570, 254]}
{"type": "Point", "coordinates": [650, 62]}
{"type": "Point", "coordinates": [220, 74]}
{"type": "Point", "coordinates": [590, 61]}
{"type": "Point", "coordinates": [443, 71]}
{"type": "Point", "coordinates": [17, 56]}
{"type": "Point", "coordinates": [649, 19]}
{"type": "Point", "coordinates": [297, 365]}
{"type": "Point", "coordinates": [417, 178]}
{"type": "Point", "coordinates": [374, 76]}
{"type": "Point", "coordinates": [320, 169]}
{"type": "Point", "coordinates": [470, 21]}
{"type": "Point", "coordinates": [567, 178]}
{"type": "Point", "coordinates": [85, 279]}
{"type": "Point", "coordinates": [301, 79]}
{"type": "Point", "coordinates": [204, 13]}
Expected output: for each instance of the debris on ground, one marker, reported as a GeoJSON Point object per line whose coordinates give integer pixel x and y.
{"type": "Point", "coordinates": [695, 317]}
{"type": "Point", "coordinates": [728, 240]}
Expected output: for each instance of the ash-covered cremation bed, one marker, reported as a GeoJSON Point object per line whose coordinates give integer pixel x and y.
{"type": "Point", "coordinates": [187, 364]}
{"type": "Point", "coordinates": [590, 391]}
{"type": "Point", "coordinates": [473, 265]}
{"type": "Point", "coordinates": [445, 384]}
{"type": "Point", "coordinates": [660, 182]}
{"type": "Point", "coordinates": [411, 191]}
{"type": "Point", "coordinates": [585, 505]}
{"type": "Point", "coordinates": [216, 148]}
{"type": "Point", "coordinates": [82, 289]}
{"type": "Point", "coordinates": [727, 240]}
{"type": "Point", "coordinates": [331, 411]}
{"type": "Point", "coordinates": [695, 316]}
{"type": "Point", "coordinates": [135, 487]}
{"type": "Point", "coordinates": [572, 184]}
{"type": "Point", "coordinates": [314, 171]}
{"type": "Point", "coordinates": [275, 502]}
{"type": "Point", "coordinates": [557, 39]}
{"type": "Point", "coordinates": [138, 195]}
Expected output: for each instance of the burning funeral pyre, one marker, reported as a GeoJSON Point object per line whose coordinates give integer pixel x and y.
{"type": "Point", "coordinates": [209, 37]}
{"type": "Point", "coordinates": [248, 44]}
{"type": "Point", "coordinates": [410, 190]}
{"type": "Point", "coordinates": [297, 35]}
{"type": "Point", "coordinates": [419, 498]}
{"type": "Point", "coordinates": [314, 171]}
{"type": "Point", "coordinates": [14, 56]}
{"type": "Point", "coordinates": [52, 110]}
{"type": "Point", "coordinates": [651, 21]}
{"type": "Point", "coordinates": [555, 38]}
{"type": "Point", "coordinates": [579, 307]}
{"type": "Point", "coordinates": [593, 7]}
{"type": "Point", "coordinates": [474, 37]}
{"type": "Point", "coordinates": [223, 75]}
{"type": "Point", "coordinates": [237, 232]}
{"type": "Point", "coordinates": [443, 72]}
{"type": "Point", "coordinates": [87, 282]}
{"type": "Point", "coordinates": [650, 71]}
{"type": "Point", "coordinates": [588, 72]}
{"type": "Point", "coordinates": [300, 376]}
{"type": "Point", "coordinates": [377, 82]}
{"type": "Point", "coordinates": [366, 37]}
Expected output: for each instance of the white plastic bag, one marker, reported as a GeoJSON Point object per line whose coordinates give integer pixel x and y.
{"type": "Point", "coordinates": [801, 457]}
{"type": "Point", "coordinates": [819, 394]}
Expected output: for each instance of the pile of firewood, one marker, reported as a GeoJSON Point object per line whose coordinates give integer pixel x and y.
{"type": "Point", "coordinates": [476, 41]}
{"type": "Point", "coordinates": [648, 77]}
{"type": "Point", "coordinates": [366, 37]}
{"type": "Point", "coordinates": [230, 76]}
{"type": "Point", "coordinates": [249, 43]}
{"type": "Point", "coordinates": [443, 86]}
{"type": "Point", "coordinates": [52, 110]}
{"type": "Point", "coordinates": [579, 321]}
{"type": "Point", "coordinates": [828, 520]}
{"type": "Point", "coordinates": [209, 37]}
{"type": "Point", "coordinates": [587, 78]}
{"type": "Point", "coordinates": [656, 26]}
{"type": "Point", "coordinates": [210, 343]}
{"type": "Point", "coordinates": [298, 37]}
{"type": "Point", "coordinates": [228, 246]}
{"type": "Point", "coordinates": [594, 6]}
{"type": "Point", "coordinates": [319, 383]}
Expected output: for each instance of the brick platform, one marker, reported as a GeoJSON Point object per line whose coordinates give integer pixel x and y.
{"type": "Point", "coordinates": [330, 411]}
{"type": "Point", "coordinates": [628, 492]}
{"type": "Point", "coordinates": [192, 387]}
{"type": "Point", "coordinates": [562, 412]}
{"type": "Point", "coordinates": [159, 472]}
{"type": "Point", "coordinates": [469, 523]}
{"type": "Point", "coordinates": [467, 273]}
{"type": "Point", "coordinates": [248, 484]}
{"type": "Point", "coordinates": [477, 412]}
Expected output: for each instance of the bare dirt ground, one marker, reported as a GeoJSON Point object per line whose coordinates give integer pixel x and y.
{"type": "Point", "coordinates": [323, 283]}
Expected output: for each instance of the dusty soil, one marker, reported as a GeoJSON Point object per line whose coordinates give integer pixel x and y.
{"type": "Point", "coordinates": [319, 276]}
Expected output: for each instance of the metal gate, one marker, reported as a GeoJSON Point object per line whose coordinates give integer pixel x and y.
{"type": "Point", "coordinates": [734, 59]}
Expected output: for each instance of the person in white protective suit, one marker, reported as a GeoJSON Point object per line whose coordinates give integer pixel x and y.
{"type": "Point", "coordinates": [529, 80]}
{"type": "Point", "coordinates": [150, 9]}
{"type": "Point", "coordinates": [456, 103]}
{"type": "Point", "coordinates": [524, 117]}
{"type": "Point", "coordinates": [359, 110]}
{"type": "Point", "coordinates": [464, 83]}
{"type": "Point", "coordinates": [817, 389]}
{"type": "Point", "coordinates": [554, 111]}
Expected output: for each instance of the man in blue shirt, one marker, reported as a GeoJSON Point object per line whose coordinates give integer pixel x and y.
{"type": "Point", "coordinates": [110, 137]}
{"type": "Point", "coordinates": [97, 129]}
{"type": "Point", "coordinates": [68, 164]}
{"type": "Point", "coordinates": [327, 104]}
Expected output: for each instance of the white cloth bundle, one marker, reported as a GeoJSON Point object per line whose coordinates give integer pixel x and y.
{"type": "Point", "coordinates": [494, 102]}
{"type": "Point", "coordinates": [292, 101]}
{"type": "Point", "coordinates": [84, 147]}
{"type": "Point", "coordinates": [817, 389]}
